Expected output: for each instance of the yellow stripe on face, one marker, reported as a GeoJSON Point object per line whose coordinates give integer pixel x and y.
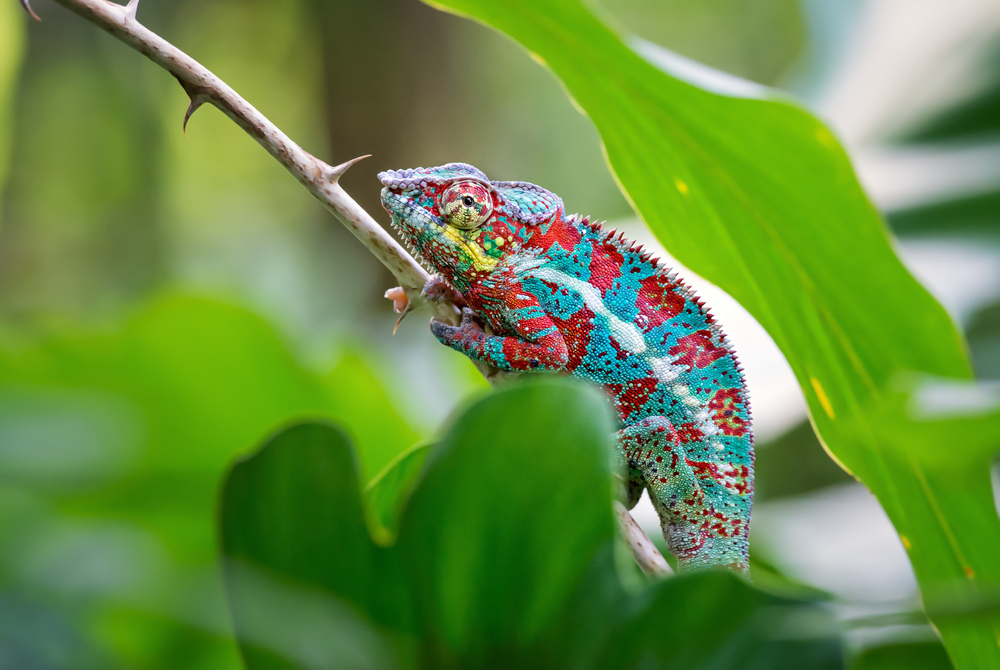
{"type": "Point", "coordinates": [480, 261]}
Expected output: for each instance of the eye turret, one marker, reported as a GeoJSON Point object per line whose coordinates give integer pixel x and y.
{"type": "Point", "coordinates": [466, 205]}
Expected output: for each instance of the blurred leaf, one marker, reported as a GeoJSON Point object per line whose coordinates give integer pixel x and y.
{"type": "Point", "coordinates": [514, 504]}
{"type": "Point", "coordinates": [503, 558]}
{"type": "Point", "coordinates": [723, 623]}
{"type": "Point", "coordinates": [358, 398]}
{"type": "Point", "coordinates": [975, 117]}
{"type": "Point", "coordinates": [793, 464]}
{"type": "Point", "coordinates": [983, 334]}
{"type": "Point", "coordinates": [758, 197]}
{"type": "Point", "coordinates": [11, 50]}
{"type": "Point", "coordinates": [484, 542]}
{"type": "Point", "coordinates": [294, 510]}
{"type": "Point", "coordinates": [967, 214]}
{"type": "Point", "coordinates": [924, 413]}
{"type": "Point", "coordinates": [387, 492]}
{"type": "Point", "coordinates": [150, 412]}
{"type": "Point", "coordinates": [904, 656]}
{"type": "Point", "coordinates": [771, 578]}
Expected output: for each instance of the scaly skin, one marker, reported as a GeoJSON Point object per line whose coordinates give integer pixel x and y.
{"type": "Point", "coordinates": [559, 293]}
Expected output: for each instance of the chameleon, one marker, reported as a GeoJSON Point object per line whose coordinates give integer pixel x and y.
{"type": "Point", "coordinates": [543, 291]}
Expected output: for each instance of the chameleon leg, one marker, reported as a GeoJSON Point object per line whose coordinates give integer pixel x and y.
{"type": "Point", "coordinates": [437, 289]}
{"type": "Point", "coordinates": [694, 517]}
{"type": "Point", "coordinates": [538, 345]}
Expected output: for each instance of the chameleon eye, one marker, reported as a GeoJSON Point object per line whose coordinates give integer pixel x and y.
{"type": "Point", "coordinates": [466, 205]}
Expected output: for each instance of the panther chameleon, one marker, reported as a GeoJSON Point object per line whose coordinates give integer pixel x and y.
{"type": "Point", "coordinates": [541, 290]}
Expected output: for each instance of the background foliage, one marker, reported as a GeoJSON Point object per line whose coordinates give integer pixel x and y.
{"type": "Point", "coordinates": [167, 300]}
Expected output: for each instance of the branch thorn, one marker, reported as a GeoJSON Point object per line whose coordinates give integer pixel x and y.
{"type": "Point", "coordinates": [336, 172]}
{"type": "Point", "coordinates": [27, 8]}
{"type": "Point", "coordinates": [131, 8]}
{"type": "Point", "coordinates": [196, 94]}
{"type": "Point", "coordinates": [196, 102]}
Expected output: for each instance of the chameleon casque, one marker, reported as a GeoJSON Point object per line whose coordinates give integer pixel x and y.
{"type": "Point", "coordinates": [559, 293]}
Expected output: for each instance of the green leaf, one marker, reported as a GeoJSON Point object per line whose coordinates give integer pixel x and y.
{"type": "Point", "coordinates": [504, 557]}
{"type": "Point", "coordinates": [723, 623]}
{"type": "Point", "coordinates": [974, 117]}
{"type": "Point", "coordinates": [758, 197]}
{"type": "Point", "coordinates": [983, 333]}
{"type": "Point", "coordinates": [294, 541]}
{"type": "Point", "coordinates": [978, 213]}
{"type": "Point", "coordinates": [386, 493]}
{"type": "Point", "coordinates": [793, 464]}
{"type": "Point", "coordinates": [904, 656]}
{"type": "Point", "coordinates": [515, 503]}
{"type": "Point", "coordinates": [508, 516]}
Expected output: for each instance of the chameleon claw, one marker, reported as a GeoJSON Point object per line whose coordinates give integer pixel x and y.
{"type": "Point", "coordinates": [27, 8]}
{"type": "Point", "coordinates": [398, 321]}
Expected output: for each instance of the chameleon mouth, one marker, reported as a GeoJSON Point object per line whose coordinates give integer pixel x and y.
{"type": "Point", "coordinates": [398, 207]}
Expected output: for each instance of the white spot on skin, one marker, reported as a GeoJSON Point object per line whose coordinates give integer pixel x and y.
{"type": "Point", "coordinates": [664, 369]}
{"type": "Point", "coordinates": [627, 335]}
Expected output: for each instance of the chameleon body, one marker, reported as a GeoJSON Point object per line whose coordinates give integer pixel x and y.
{"type": "Point", "coordinates": [546, 291]}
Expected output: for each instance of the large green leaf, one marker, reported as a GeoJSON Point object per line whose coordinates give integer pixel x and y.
{"type": "Point", "coordinates": [514, 504]}
{"type": "Point", "coordinates": [757, 196]}
{"type": "Point", "coordinates": [506, 519]}
{"type": "Point", "coordinates": [294, 510]}
{"type": "Point", "coordinates": [503, 558]}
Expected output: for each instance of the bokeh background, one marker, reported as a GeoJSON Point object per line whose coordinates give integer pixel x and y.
{"type": "Point", "coordinates": [167, 299]}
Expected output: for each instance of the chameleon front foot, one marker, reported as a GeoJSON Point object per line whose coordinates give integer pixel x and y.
{"type": "Point", "coordinates": [400, 304]}
{"type": "Point", "coordinates": [436, 290]}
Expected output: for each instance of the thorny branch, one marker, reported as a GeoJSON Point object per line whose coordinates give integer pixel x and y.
{"type": "Point", "coordinates": [319, 178]}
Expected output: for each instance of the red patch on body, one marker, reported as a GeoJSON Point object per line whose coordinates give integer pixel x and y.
{"type": "Point", "coordinates": [688, 432]}
{"type": "Point", "coordinates": [631, 397]}
{"type": "Point", "coordinates": [657, 301]}
{"type": "Point", "coordinates": [696, 350]}
{"type": "Point", "coordinates": [725, 405]}
{"type": "Point", "coordinates": [560, 232]}
{"type": "Point", "coordinates": [728, 476]}
{"type": "Point", "coordinates": [576, 333]}
{"type": "Point", "coordinates": [605, 265]}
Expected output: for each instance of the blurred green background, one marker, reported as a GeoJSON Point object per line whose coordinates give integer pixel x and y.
{"type": "Point", "coordinates": [167, 300]}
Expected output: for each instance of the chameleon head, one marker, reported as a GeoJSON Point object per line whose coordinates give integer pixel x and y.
{"type": "Point", "coordinates": [458, 221]}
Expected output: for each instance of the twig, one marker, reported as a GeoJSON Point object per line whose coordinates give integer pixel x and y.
{"type": "Point", "coordinates": [644, 551]}
{"type": "Point", "coordinates": [319, 178]}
